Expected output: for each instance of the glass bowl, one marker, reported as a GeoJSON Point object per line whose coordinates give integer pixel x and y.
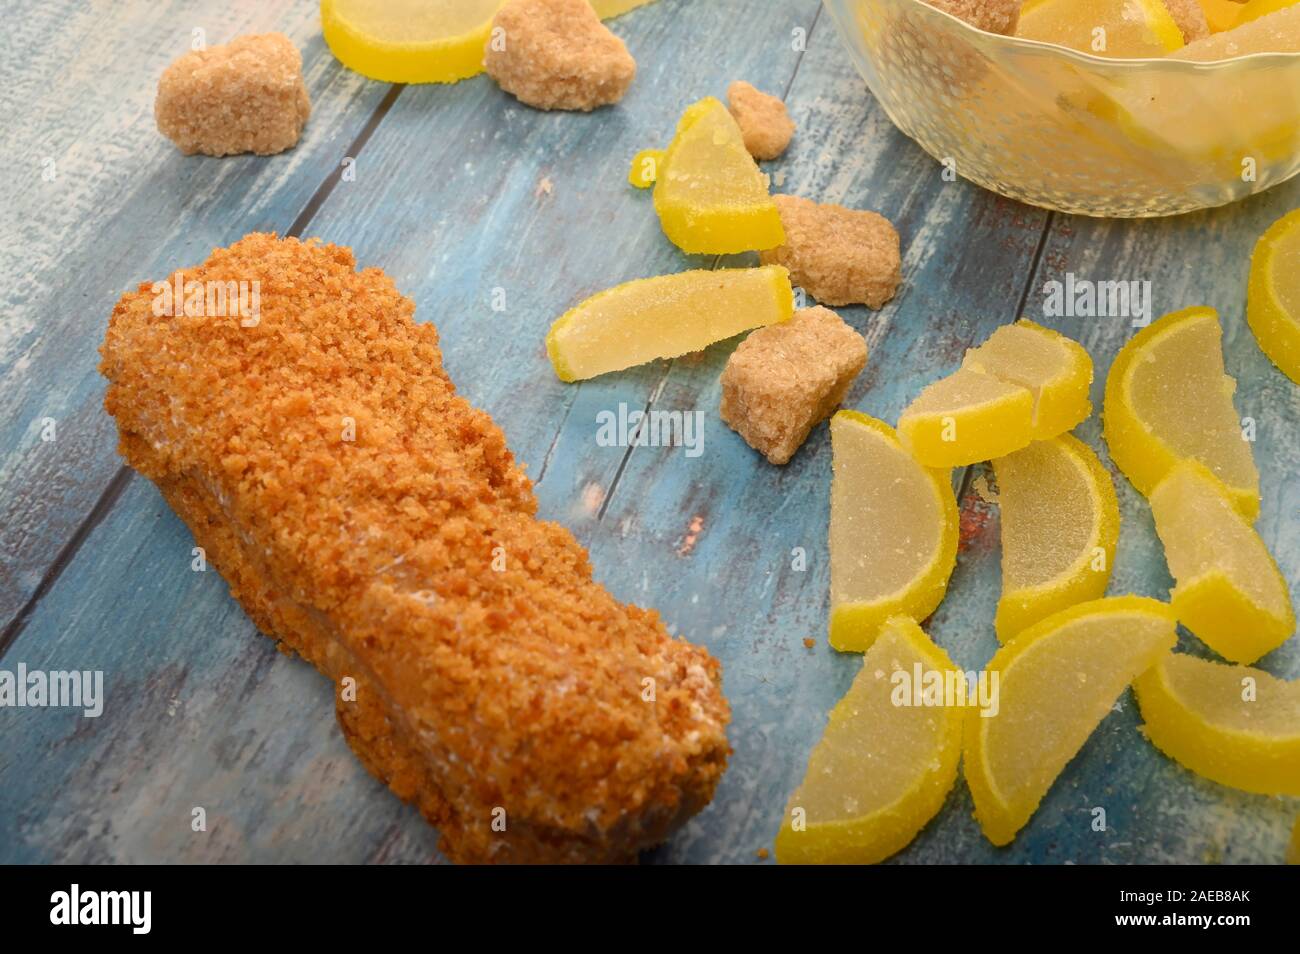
{"type": "Point", "coordinates": [1072, 131]}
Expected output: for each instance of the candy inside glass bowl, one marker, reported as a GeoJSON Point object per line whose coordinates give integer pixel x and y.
{"type": "Point", "coordinates": [1075, 132]}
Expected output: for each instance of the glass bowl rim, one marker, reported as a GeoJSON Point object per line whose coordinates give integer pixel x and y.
{"type": "Point", "coordinates": [1091, 60]}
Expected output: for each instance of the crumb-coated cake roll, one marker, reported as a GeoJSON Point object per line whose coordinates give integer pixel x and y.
{"type": "Point", "coordinates": [371, 520]}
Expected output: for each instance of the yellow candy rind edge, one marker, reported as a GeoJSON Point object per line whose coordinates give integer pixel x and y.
{"type": "Point", "coordinates": [854, 627]}
{"type": "Point", "coordinates": [1277, 335]}
{"type": "Point", "coordinates": [1210, 751]}
{"type": "Point", "coordinates": [1141, 456]}
{"type": "Point", "coordinates": [1220, 615]}
{"type": "Point", "coordinates": [715, 233]}
{"type": "Point", "coordinates": [447, 61]}
{"type": "Point", "coordinates": [878, 836]}
{"type": "Point", "coordinates": [922, 435]}
{"type": "Point", "coordinates": [999, 824]}
{"type": "Point", "coordinates": [1019, 609]}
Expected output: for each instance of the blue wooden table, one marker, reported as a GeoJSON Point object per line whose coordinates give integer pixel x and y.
{"type": "Point", "coordinates": [460, 192]}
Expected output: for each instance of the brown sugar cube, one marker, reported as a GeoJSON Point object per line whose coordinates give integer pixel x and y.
{"type": "Point", "coordinates": [246, 96]}
{"type": "Point", "coordinates": [556, 54]}
{"type": "Point", "coordinates": [1190, 18]}
{"type": "Point", "coordinates": [995, 16]}
{"type": "Point", "coordinates": [839, 256]}
{"type": "Point", "coordinates": [786, 378]}
{"type": "Point", "coordinates": [762, 119]}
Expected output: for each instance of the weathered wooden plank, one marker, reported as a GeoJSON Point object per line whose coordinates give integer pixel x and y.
{"type": "Point", "coordinates": [123, 206]}
{"type": "Point", "coordinates": [450, 197]}
{"type": "Point", "coordinates": [707, 540]}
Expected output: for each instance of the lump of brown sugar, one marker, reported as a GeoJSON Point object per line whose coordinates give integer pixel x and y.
{"type": "Point", "coordinates": [763, 120]}
{"type": "Point", "coordinates": [1190, 18]}
{"type": "Point", "coordinates": [556, 54]}
{"type": "Point", "coordinates": [245, 96]}
{"type": "Point", "coordinates": [786, 378]}
{"type": "Point", "coordinates": [995, 16]}
{"type": "Point", "coordinates": [839, 256]}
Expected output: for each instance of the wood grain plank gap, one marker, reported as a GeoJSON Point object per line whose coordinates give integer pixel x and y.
{"type": "Point", "coordinates": [627, 451]}
{"type": "Point", "coordinates": [1032, 274]}
{"type": "Point", "coordinates": [794, 75]}
{"type": "Point", "coordinates": [96, 516]}
{"type": "Point", "coordinates": [327, 185]}
{"type": "Point", "coordinates": [555, 440]}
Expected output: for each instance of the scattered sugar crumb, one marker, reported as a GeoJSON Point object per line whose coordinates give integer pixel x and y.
{"type": "Point", "coordinates": [592, 497]}
{"type": "Point", "coordinates": [973, 521]}
{"type": "Point", "coordinates": [692, 534]}
{"type": "Point", "coordinates": [544, 187]}
{"type": "Point", "coordinates": [761, 854]}
{"type": "Point", "coordinates": [983, 489]}
{"type": "Point", "coordinates": [809, 642]}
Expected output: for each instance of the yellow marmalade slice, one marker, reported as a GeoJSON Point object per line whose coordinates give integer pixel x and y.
{"type": "Point", "coordinates": [1168, 399]}
{"type": "Point", "coordinates": [1057, 681]}
{"type": "Point", "coordinates": [1055, 369]}
{"type": "Point", "coordinates": [885, 764]}
{"type": "Point", "coordinates": [1025, 383]}
{"type": "Point", "coordinates": [967, 417]}
{"type": "Point", "coordinates": [420, 41]}
{"type": "Point", "coordinates": [1234, 725]}
{"type": "Point", "coordinates": [893, 531]}
{"type": "Point", "coordinates": [1229, 591]}
{"type": "Point", "coordinates": [1273, 311]}
{"type": "Point", "coordinates": [409, 41]}
{"type": "Point", "coordinates": [1060, 524]}
{"type": "Point", "coordinates": [664, 317]}
{"type": "Point", "coordinates": [709, 193]}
